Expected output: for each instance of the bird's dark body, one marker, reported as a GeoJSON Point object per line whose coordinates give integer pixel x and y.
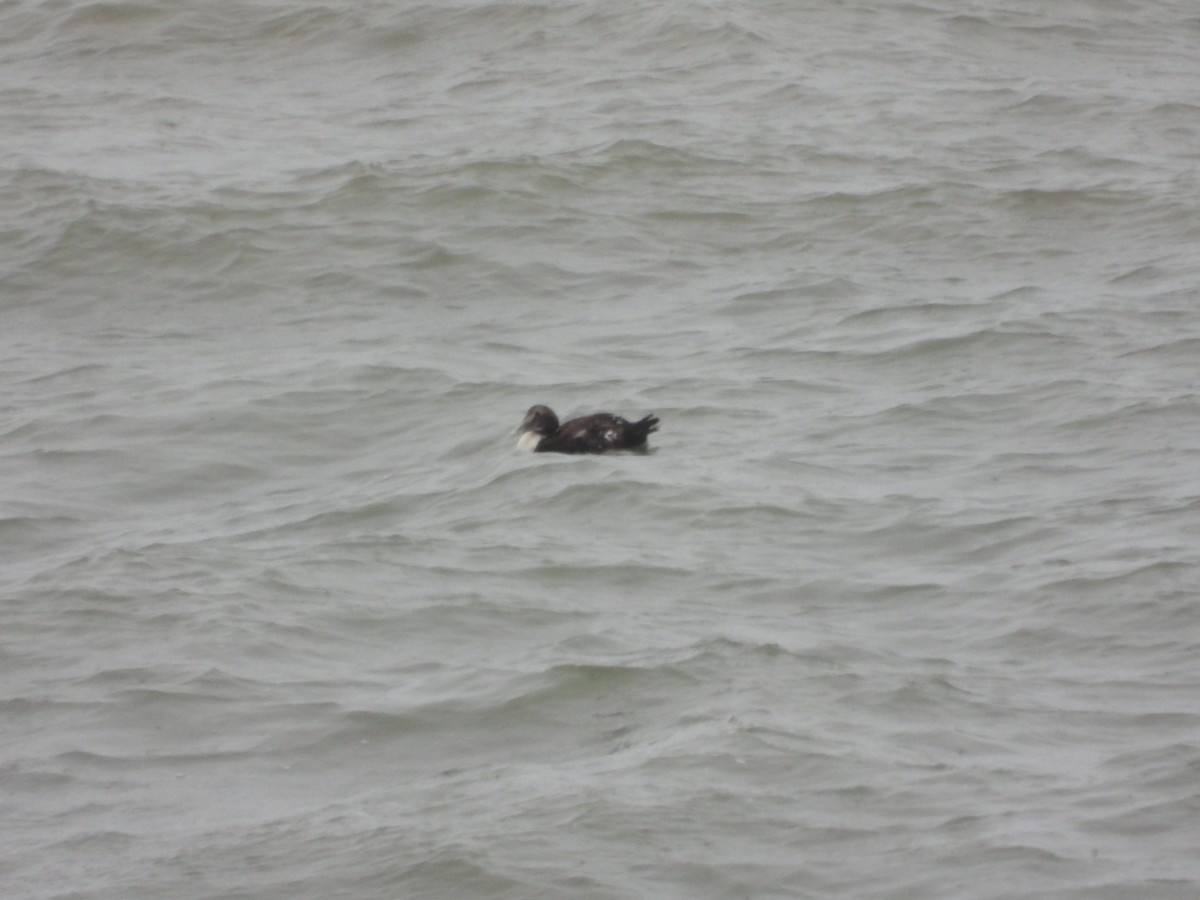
{"type": "Point", "coordinates": [597, 433]}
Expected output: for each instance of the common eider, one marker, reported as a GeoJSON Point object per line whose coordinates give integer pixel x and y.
{"type": "Point", "coordinates": [597, 433]}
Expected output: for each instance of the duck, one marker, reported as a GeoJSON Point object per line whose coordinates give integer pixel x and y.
{"type": "Point", "coordinates": [596, 433]}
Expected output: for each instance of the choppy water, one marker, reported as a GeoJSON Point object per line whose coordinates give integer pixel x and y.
{"type": "Point", "coordinates": [904, 603]}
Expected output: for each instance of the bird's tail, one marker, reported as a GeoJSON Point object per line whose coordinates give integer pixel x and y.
{"type": "Point", "coordinates": [644, 427]}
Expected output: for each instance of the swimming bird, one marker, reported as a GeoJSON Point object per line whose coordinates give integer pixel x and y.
{"type": "Point", "coordinates": [597, 433]}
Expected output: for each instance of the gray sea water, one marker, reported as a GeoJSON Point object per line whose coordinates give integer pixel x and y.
{"type": "Point", "coordinates": [904, 602]}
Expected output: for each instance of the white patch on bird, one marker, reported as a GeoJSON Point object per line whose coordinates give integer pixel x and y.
{"type": "Point", "coordinates": [610, 435]}
{"type": "Point", "coordinates": [528, 441]}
